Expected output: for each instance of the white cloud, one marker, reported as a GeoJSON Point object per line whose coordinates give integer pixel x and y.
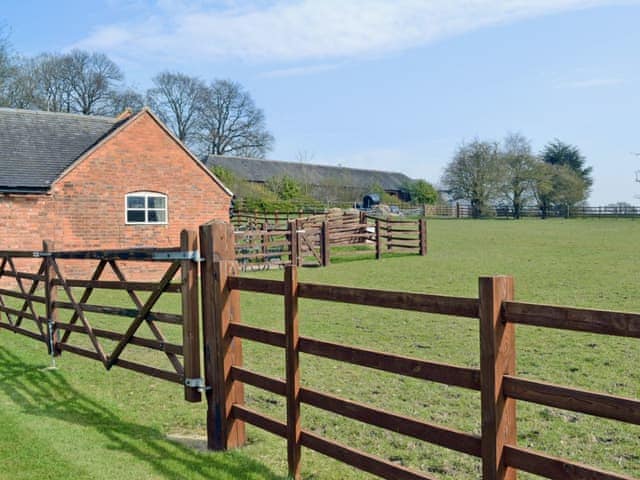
{"type": "Point", "coordinates": [308, 30]}
{"type": "Point", "coordinates": [591, 83]}
{"type": "Point", "coordinates": [300, 71]}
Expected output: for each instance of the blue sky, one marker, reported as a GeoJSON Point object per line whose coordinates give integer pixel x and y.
{"type": "Point", "coordinates": [391, 85]}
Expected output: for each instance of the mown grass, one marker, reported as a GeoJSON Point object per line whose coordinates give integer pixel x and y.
{"type": "Point", "coordinates": [82, 422]}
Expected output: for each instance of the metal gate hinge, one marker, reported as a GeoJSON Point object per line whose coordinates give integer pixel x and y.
{"type": "Point", "coordinates": [197, 383]}
{"type": "Point", "coordinates": [192, 255]}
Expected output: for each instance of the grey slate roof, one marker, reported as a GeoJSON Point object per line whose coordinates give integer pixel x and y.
{"type": "Point", "coordinates": [257, 170]}
{"type": "Point", "coordinates": [36, 147]}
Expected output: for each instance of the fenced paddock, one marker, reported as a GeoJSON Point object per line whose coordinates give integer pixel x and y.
{"type": "Point", "coordinates": [229, 338]}
{"type": "Point", "coordinates": [496, 314]}
{"type": "Point", "coordinates": [263, 243]}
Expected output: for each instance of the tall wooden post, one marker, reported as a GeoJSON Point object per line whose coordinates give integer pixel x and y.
{"type": "Point", "coordinates": [293, 242]}
{"type": "Point", "coordinates": [325, 247]}
{"type": "Point", "coordinates": [497, 359]}
{"type": "Point", "coordinates": [422, 228]}
{"type": "Point", "coordinates": [190, 316]}
{"type": "Point", "coordinates": [363, 228]}
{"type": "Point", "coordinates": [378, 240]}
{"type": "Point", "coordinates": [220, 307]}
{"type": "Point", "coordinates": [292, 370]}
{"type": "Point", "coordinates": [388, 232]}
{"type": "Point", "coordinates": [51, 295]}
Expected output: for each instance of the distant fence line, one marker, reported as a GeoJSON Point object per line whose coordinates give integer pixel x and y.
{"type": "Point", "coordinates": [457, 210]}
{"type": "Point", "coordinates": [264, 241]}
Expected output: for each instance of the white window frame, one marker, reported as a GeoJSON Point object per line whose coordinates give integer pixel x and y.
{"type": "Point", "coordinates": [146, 209]}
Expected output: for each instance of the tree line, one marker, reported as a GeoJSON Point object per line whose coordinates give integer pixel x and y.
{"type": "Point", "coordinates": [217, 117]}
{"type": "Point", "coordinates": [488, 173]}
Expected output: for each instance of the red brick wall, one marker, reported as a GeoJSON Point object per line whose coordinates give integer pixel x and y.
{"type": "Point", "coordinates": [86, 207]}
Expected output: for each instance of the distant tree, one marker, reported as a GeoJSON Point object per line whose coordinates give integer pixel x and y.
{"type": "Point", "coordinates": [225, 175]}
{"type": "Point", "coordinates": [121, 100]}
{"type": "Point", "coordinates": [560, 153]}
{"type": "Point", "coordinates": [21, 88]}
{"type": "Point", "coordinates": [285, 187]}
{"type": "Point", "coordinates": [519, 170]}
{"type": "Point", "coordinates": [51, 79]}
{"type": "Point", "coordinates": [231, 124]}
{"type": "Point", "coordinates": [79, 81]}
{"type": "Point", "coordinates": [179, 100]}
{"type": "Point", "coordinates": [422, 192]}
{"type": "Point", "coordinates": [6, 64]}
{"type": "Point", "coordinates": [558, 186]}
{"type": "Point", "coordinates": [385, 198]}
{"type": "Point", "coordinates": [475, 175]}
{"type": "Point", "coordinates": [92, 78]}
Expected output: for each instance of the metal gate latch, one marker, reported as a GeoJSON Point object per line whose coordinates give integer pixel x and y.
{"type": "Point", "coordinates": [197, 383]}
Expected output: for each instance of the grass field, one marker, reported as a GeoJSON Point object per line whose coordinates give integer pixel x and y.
{"type": "Point", "coordinates": [80, 422]}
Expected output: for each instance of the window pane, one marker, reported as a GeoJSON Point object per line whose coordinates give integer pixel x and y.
{"type": "Point", "coordinates": [135, 216]}
{"type": "Point", "coordinates": [135, 202]}
{"type": "Point", "coordinates": [157, 216]}
{"type": "Point", "coordinates": [157, 202]}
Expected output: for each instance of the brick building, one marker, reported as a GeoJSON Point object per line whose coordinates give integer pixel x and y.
{"type": "Point", "coordinates": [89, 182]}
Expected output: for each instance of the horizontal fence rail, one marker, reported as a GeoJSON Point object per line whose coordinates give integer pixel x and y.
{"type": "Point", "coordinates": [314, 240]}
{"type": "Point", "coordinates": [60, 313]}
{"type": "Point", "coordinates": [496, 313]}
{"type": "Point", "coordinates": [41, 299]}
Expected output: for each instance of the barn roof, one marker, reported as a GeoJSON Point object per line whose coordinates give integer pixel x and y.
{"type": "Point", "coordinates": [36, 147]}
{"type": "Point", "coordinates": [258, 170]}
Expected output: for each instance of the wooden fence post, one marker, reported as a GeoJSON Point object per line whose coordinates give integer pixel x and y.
{"type": "Point", "coordinates": [422, 235]}
{"type": "Point", "coordinates": [457, 209]}
{"type": "Point", "coordinates": [51, 295]}
{"type": "Point", "coordinates": [497, 359]}
{"type": "Point", "coordinates": [363, 230]}
{"type": "Point", "coordinates": [389, 233]}
{"type": "Point", "coordinates": [292, 371]}
{"type": "Point", "coordinates": [220, 307]}
{"type": "Point", "coordinates": [190, 316]}
{"type": "Point", "coordinates": [378, 240]}
{"type": "Point", "coordinates": [293, 242]}
{"type": "Point", "coordinates": [325, 247]}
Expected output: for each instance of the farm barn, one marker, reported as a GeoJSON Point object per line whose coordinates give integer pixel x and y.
{"type": "Point", "coordinates": [89, 182]}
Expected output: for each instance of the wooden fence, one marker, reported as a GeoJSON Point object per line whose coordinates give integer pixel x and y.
{"type": "Point", "coordinates": [53, 313]}
{"type": "Point", "coordinates": [36, 308]}
{"type": "Point", "coordinates": [314, 240]}
{"type": "Point", "coordinates": [496, 379]}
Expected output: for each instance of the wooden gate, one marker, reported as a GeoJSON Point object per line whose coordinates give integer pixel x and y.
{"type": "Point", "coordinates": [52, 306]}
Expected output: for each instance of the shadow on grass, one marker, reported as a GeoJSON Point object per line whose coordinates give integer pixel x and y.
{"type": "Point", "coordinates": [48, 394]}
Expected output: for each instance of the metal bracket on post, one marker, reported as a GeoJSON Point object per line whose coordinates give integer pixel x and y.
{"type": "Point", "coordinates": [50, 327]}
{"type": "Point", "coordinates": [192, 255]}
{"type": "Point", "coordinates": [197, 383]}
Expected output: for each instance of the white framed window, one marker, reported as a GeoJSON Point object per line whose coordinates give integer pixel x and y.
{"type": "Point", "coordinates": [142, 208]}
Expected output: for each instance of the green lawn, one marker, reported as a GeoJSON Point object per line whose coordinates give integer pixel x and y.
{"type": "Point", "coordinates": [81, 422]}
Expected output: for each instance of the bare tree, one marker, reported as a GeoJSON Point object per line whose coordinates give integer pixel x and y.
{"type": "Point", "coordinates": [50, 74]}
{"type": "Point", "coordinates": [92, 77]}
{"type": "Point", "coordinates": [6, 66]}
{"type": "Point", "coordinates": [519, 169]}
{"type": "Point", "coordinates": [178, 100]}
{"type": "Point", "coordinates": [121, 100]}
{"type": "Point", "coordinates": [231, 123]}
{"type": "Point", "coordinates": [474, 174]}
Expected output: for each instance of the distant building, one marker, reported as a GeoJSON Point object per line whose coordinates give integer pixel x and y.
{"type": "Point", "coordinates": [326, 182]}
{"type": "Point", "coordinates": [89, 182]}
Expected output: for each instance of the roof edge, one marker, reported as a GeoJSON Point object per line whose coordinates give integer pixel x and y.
{"type": "Point", "coordinates": [189, 152]}
{"type": "Point", "coordinates": [123, 124]}
{"type": "Point", "coordinates": [284, 162]}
